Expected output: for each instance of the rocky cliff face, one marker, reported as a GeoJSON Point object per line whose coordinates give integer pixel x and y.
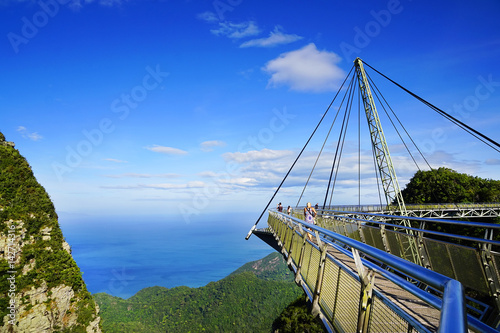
{"type": "Point", "coordinates": [41, 287]}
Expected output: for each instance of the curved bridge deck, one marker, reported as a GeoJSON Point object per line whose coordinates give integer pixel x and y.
{"type": "Point", "coordinates": [355, 287]}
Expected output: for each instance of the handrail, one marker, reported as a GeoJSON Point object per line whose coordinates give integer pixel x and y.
{"type": "Point", "coordinates": [453, 315]}
{"type": "Point", "coordinates": [379, 207]}
{"type": "Point", "coordinates": [331, 214]}
{"type": "Point", "coordinates": [422, 219]}
{"type": "Point", "coordinates": [426, 231]}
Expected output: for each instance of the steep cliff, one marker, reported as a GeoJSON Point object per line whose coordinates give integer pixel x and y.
{"type": "Point", "coordinates": [41, 287]}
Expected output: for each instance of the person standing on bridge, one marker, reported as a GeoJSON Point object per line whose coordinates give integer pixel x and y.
{"type": "Point", "coordinates": [309, 214]}
{"type": "Point", "coordinates": [280, 208]}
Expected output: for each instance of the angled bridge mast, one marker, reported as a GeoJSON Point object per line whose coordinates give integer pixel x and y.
{"type": "Point", "coordinates": [385, 166]}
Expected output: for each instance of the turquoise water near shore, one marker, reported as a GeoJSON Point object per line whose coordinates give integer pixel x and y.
{"type": "Point", "coordinates": [121, 256]}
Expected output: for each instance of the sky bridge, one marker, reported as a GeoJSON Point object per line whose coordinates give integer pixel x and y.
{"type": "Point", "coordinates": [393, 266]}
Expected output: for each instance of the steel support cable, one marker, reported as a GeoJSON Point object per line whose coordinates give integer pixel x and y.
{"type": "Point", "coordinates": [342, 129]}
{"type": "Point", "coordinates": [349, 105]}
{"type": "Point", "coordinates": [393, 125]}
{"type": "Point", "coordinates": [298, 156]}
{"type": "Point", "coordinates": [414, 144]}
{"type": "Point", "coordinates": [334, 160]}
{"type": "Point", "coordinates": [359, 148]}
{"type": "Point", "coordinates": [323, 146]}
{"type": "Point", "coordinates": [400, 123]}
{"type": "Point", "coordinates": [457, 122]}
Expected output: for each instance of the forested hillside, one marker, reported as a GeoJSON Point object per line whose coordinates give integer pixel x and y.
{"type": "Point", "coordinates": [249, 300]}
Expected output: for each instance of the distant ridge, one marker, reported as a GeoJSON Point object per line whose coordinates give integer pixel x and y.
{"type": "Point", "coordinates": [272, 268]}
{"type": "Point", "coordinates": [248, 300]}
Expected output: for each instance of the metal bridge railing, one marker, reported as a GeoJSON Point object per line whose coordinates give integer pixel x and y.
{"type": "Point", "coordinates": [346, 301]}
{"type": "Point", "coordinates": [476, 267]}
{"type": "Point", "coordinates": [435, 210]}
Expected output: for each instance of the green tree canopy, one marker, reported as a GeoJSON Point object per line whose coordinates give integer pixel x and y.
{"type": "Point", "coordinates": [445, 185]}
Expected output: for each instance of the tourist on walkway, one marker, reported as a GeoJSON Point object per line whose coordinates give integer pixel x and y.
{"type": "Point", "coordinates": [309, 214]}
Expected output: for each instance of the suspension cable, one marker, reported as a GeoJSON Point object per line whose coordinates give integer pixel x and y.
{"type": "Point", "coordinates": [342, 130]}
{"type": "Point", "coordinates": [483, 138]}
{"type": "Point", "coordinates": [377, 92]}
{"type": "Point", "coordinates": [359, 147]}
{"type": "Point", "coordinates": [323, 146]}
{"type": "Point", "coordinates": [300, 154]}
{"type": "Point", "coordinates": [349, 105]}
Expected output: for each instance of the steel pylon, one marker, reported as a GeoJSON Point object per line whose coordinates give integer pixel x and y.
{"type": "Point", "coordinates": [383, 159]}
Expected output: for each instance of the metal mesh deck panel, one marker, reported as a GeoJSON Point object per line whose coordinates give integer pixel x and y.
{"type": "Point", "coordinates": [346, 313]}
{"type": "Point", "coordinates": [313, 271]}
{"type": "Point", "coordinates": [328, 295]}
{"type": "Point", "coordinates": [368, 236]}
{"type": "Point", "coordinates": [305, 261]}
{"type": "Point", "coordinates": [297, 244]}
{"type": "Point", "coordinates": [384, 319]}
{"type": "Point", "coordinates": [288, 238]}
{"type": "Point", "coordinates": [310, 272]}
{"type": "Point", "coordinates": [439, 258]}
{"type": "Point", "coordinates": [468, 267]}
{"type": "Point", "coordinates": [377, 238]}
{"type": "Point", "coordinates": [394, 243]}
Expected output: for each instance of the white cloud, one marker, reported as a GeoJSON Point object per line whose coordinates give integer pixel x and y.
{"type": "Point", "coordinates": [167, 150]}
{"type": "Point", "coordinates": [114, 160]}
{"type": "Point", "coordinates": [256, 156]}
{"type": "Point", "coordinates": [144, 175]}
{"type": "Point", "coordinates": [164, 186]}
{"type": "Point", "coordinates": [276, 37]}
{"type": "Point", "coordinates": [27, 135]}
{"type": "Point", "coordinates": [236, 30]}
{"type": "Point", "coordinates": [78, 4]}
{"type": "Point", "coordinates": [306, 69]}
{"type": "Point", "coordinates": [493, 161]}
{"type": "Point", "coordinates": [209, 145]}
{"type": "Point", "coordinates": [208, 17]}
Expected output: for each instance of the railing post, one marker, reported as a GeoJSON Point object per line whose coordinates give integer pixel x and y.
{"type": "Point", "coordinates": [319, 281]}
{"type": "Point", "coordinates": [286, 230]}
{"type": "Point", "coordinates": [361, 234]}
{"type": "Point", "coordinates": [289, 259]}
{"type": "Point", "coordinates": [367, 279]}
{"type": "Point", "coordinates": [385, 242]}
{"type": "Point", "coordinates": [421, 247]}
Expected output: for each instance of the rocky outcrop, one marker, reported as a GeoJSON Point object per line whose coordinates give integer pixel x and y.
{"type": "Point", "coordinates": [41, 287]}
{"type": "Point", "coordinates": [47, 310]}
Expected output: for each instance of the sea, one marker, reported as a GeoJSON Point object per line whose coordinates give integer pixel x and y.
{"type": "Point", "coordinates": [122, 255]}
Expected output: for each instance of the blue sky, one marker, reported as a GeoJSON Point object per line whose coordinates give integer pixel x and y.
{"type": "Point", "coordinates": [184, 107]}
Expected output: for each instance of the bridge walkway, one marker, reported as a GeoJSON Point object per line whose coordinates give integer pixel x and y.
{"type": "Point", "coordinates": [355, 287]}
{"type": "Point", "coordinates": [425, 314]}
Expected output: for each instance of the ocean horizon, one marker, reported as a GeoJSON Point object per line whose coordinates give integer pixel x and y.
{"type": "Point", "coordinates": [120, 256]}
